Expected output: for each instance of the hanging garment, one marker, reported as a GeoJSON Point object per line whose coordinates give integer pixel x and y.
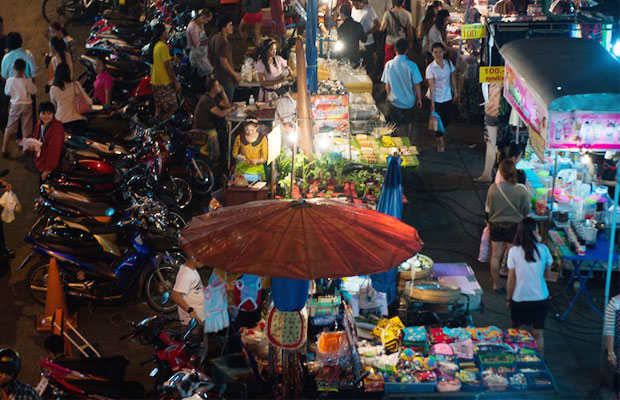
{"type": "Point", "coordinates": [289, 294]}
{"type": "Point", "coordinates": [216, 305]}
{"type": "Point", "coordinates": [287, 329]}
{"type": "Point", "coordinates": [247, 292]}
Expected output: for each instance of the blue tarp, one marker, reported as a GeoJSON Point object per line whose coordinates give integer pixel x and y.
{"type": "Point", "coordinates": [390, 203]}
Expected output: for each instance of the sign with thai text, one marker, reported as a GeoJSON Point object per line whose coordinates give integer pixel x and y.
{"type": "Point", "coordinates": [491, 74]}
{"type": "Point", "coordinates": [473, 31]}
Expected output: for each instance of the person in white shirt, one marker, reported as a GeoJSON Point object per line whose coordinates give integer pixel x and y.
{"type": "Point", "coordinates": [188, 292]}
{"type": "Point", "coordinates": [441, 89]}
{"type": "Point", "coordinates": [286, 110]}
{"type": "Point", "coordinates": [366, 16]}
{"type": "Point", "coordinates": [526, 292]}
{"type": "Point", "coordinates": [19, 89]}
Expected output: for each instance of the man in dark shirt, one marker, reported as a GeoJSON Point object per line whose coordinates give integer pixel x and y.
{"type": "Point", "coordinates": [350, 33]}
{"type": "Point", "coordinates": [220, 56]}
{"type": "Point", "coordinates": [10, 387]}
{"type": "Point", "coordinates": [210, 112]}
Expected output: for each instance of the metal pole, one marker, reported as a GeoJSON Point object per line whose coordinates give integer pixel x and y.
{"type": "Point", "coordinates": [610, 258]}
{"type": "Point", "coordinates": [311, 56]}
{"type": "Point", "coordinates": [555, 173]}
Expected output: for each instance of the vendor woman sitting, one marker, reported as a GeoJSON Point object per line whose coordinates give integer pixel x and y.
{"type": "Point", "coordinates": [250, 150]}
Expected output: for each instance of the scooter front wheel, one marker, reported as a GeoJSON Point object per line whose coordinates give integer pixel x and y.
{"type": "Point", "coordinates": [159, 281]}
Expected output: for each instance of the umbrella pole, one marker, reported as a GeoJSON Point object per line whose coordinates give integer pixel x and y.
{"type": "Point", "coordinates": [293, 169]}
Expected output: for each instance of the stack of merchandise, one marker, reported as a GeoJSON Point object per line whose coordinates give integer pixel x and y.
{"type": "Point", "coordinates": [420, 359]}
{"type": "Point", "coordinates": [376, 150]}
{"type": "Point", "coordinates": [334, 362]}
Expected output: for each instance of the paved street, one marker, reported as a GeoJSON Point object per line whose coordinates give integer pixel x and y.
{"type": "Point", "coordinates": [443, 205]}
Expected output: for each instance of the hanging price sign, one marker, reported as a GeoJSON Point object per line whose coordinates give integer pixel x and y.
{"type": "Point", "coordinates": [473, 31]}
{"type": "Point", "coordinates": [491, 74]}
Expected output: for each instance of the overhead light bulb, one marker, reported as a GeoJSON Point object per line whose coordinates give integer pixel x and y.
{"type": "Point", "coordinates": [586, 159]}
{"type": "Point", "coordinates": [338, 46]}
{"type": "Point", "coordinates": [324, 142]}
{"type": "Point", "coordinates": [292, 137]}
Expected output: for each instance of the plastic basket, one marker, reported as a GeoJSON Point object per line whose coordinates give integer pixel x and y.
{"type": "Point", "coordinates": [399, 388]}
{"type": "Point", "coordinates": [490, 360]}
{"type": "Point", "coordinates": [331, 344]}
{"type": "Point", "coordinates": [514, 386]}
{"type": "Point", "coordinates": [534, 381]}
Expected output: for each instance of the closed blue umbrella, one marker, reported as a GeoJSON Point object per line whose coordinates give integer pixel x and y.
{"type": "Point", "coordinates": [390, 203]}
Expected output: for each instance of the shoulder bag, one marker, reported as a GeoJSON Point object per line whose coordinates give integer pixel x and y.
{"type": "Point", "coordinates": [81, 104]}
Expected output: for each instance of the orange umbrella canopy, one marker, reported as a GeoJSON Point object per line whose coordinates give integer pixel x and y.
{"type": "Point", "coordinates": [300, 239]}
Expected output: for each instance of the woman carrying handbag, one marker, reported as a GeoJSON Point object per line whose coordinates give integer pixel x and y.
{"type": "Point", "coordinates": [507, 203]}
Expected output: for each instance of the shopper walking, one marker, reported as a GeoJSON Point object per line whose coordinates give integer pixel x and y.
{"type": "Point", "coordinates": [425, 26]}
{"type": "Point", "coordinates": [252, 20]}
{"type": "Point", "coordinates": [397, 24]}
{"type": "Point", "coordinates": [441, 89]}
{"type": "Point", "coordinates": [402, 78]}
{"type": "Point", "coordinates": [365, 15]}
{"type": "Point", "coordinates": [491, 120]}
{"type": "Point", "coordinates": [63, 95]}
{"type": "Point", "coordinates": [350, 34]}
{"type": "Point", "coordinates": [163, 81]}
{"type": "Point", "coordinates": [220, 55]}
{"type": "Point", "coordinates": [56, 29]}
{"type": "Point", "coordinates": [528, 263]}
{"type": "Point", "coordinates": [437, 33]}
{"type": "Point", "coordinates": [507, 204]}
{"type": "Point", "coordinates": [58, 55]}
{"type": "Point", "coordinates": [20, 89]}
{"type": "Point", "coordinates": [14, 44]}
{"type": "Point", "coordinates": [197, 42]}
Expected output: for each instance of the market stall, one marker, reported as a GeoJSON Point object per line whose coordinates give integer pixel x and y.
{"type": "Point", "coordinates": [569, 110]}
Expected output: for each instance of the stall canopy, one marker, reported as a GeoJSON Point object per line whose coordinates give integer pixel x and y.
{"type": "Point", "coordinates": [567, 91]}
{"type": "Point", "coordinates": [567, 74]}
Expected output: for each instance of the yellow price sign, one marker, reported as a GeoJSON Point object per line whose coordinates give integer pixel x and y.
{"type": "Point", "coordinates": [473, 31]}
{"type": "Point", "coordinates": [491, 74]}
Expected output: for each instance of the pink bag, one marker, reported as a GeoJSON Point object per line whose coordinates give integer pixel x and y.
{"type": "Point", "coordinates": [81, 104]}
{"type": "Point", "coordinates": [484, 255]}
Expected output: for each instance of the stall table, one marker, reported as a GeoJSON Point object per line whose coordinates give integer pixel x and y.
{"type": "Point", "coordinates": [597, 254]}
{"type": "Point", "coordinates": [234, 120]}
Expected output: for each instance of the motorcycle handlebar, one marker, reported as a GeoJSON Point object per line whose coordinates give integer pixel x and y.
{"type": "Point", "coordinates": [127, 336]}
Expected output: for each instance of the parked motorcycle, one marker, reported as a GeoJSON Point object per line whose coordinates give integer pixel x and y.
{"type": "Point", "coordinates": [92, 274]}
{"type": "Point", "coordinates": [99, 378]}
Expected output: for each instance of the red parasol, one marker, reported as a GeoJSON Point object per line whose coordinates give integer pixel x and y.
{"type": "Point", "coordinates": [300, 239]}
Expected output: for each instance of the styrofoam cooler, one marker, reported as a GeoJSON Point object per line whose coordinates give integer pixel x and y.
{"type": "Point", "coordinates": [461, 275]}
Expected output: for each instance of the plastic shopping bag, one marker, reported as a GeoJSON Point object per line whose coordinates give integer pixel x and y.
{"type": "Point", "coordinates": [10, 204]}
{"type": "Point", "coordinates": [432, 123]}
{"type": "Point", "coordinates": [484, 255]}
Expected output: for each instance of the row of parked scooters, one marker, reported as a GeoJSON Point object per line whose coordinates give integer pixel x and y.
{"type": "Point", "coordinates": [112, 216]}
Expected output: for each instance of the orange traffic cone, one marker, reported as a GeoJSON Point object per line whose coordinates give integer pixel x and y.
{"type": "Point", "coordinates": [54, 300]}
{"type": "Point", "coordinates": [58, 328]}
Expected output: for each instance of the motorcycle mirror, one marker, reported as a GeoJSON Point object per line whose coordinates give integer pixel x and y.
{"type": "Point", "coordinates": [190, 327]}
{"type": "Point", "coordinates": [164, 298]}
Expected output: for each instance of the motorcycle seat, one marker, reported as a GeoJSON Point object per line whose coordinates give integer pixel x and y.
{"type": "Point", "coordinates": [93, 226]}
{"type": "Point", "coordinates": [82, 251]}
{"type": "Point", "coordinates": [119, 390]}
{"type": "Point", "coordinates": [79, 202]}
